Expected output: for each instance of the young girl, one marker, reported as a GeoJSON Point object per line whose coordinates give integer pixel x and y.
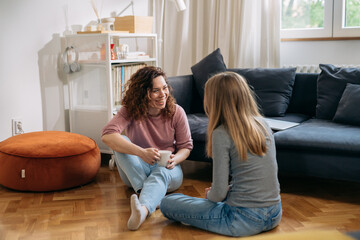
{"type": "Point", "coordinates": [243, 150]}
{"type": "Point", "coordinates": [152, 122]}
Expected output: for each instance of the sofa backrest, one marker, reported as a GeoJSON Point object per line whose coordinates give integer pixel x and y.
{"type": "Point", "coordinates": [186, 94]}
{"type": "Point", "coordinates": [303, 99]}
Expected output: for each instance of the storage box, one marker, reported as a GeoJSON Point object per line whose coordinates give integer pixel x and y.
{"type": "Point", "coordinates": [134, 24]}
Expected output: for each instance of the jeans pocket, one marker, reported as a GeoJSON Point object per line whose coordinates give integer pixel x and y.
{"type": "Point", "coordinates": [246, 221]}
{"type": "Point", "coordinates": [274, 217]}
{"type": "Point", "coordinates": [275, 220]}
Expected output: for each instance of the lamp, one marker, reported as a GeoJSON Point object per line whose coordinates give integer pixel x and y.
{"type": "Point", "coordinates": [180, 6]}
{"type": "Point", "coordinates": [132, 8]}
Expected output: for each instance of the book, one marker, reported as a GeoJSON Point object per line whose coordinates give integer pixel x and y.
{"type": "Point", "coordinates": [121, 74]}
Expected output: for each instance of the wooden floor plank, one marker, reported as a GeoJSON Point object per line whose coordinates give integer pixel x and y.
{"type": "Point", "coordinates": [100, 209]}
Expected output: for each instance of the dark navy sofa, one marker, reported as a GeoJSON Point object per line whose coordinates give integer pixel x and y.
{"type": "Point", "coordinates": [316, 147]}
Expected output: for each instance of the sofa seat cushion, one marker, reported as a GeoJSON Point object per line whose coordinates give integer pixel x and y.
{"type": "Point", "coordinates": [198, 123]}
{"type": "Point", "coordinates": [320, 135]}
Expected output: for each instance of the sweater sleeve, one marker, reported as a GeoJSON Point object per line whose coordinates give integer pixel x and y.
{"type": "Point", "coordinates": [117, 124]}
{"type": "Point", "coordinates": [221, 144]}
{"type": "Point", "coordinates": [182, 130]}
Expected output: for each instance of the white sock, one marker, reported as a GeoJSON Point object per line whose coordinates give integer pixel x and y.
{"type": "Point", "coordinates": [138, 214]}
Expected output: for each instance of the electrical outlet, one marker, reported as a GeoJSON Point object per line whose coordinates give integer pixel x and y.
{"type": "Point", "coordinates": [16, 127]}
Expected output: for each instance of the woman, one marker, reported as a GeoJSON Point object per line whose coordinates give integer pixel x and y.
{"type": "Point", "coordinates": [242, 148]}
{"type": "Point", "coordinates": [152, 122]}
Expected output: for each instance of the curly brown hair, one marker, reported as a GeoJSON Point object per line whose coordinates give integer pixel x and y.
{"type": "Point", "coordinates": [136, 98]}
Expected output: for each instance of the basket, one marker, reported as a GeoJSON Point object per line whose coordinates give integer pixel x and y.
{"type": "Point", "coordinates": [134, 24]}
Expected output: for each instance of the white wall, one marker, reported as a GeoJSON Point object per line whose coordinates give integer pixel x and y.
{"type": "Point", "coordinates": [31, 85]}
{"type": "Point", "coordinates": [316, 52]}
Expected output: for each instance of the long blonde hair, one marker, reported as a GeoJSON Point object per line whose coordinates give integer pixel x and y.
{"type": "Point", "coordinates": [229, 101]}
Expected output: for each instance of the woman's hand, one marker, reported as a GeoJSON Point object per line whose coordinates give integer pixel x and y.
{"type": "Point", "coordinates": [177, 158]}
{"type": "Point", "coordinates": [171, 162]}
{"type": "Point", "coordinates": [150, 155]}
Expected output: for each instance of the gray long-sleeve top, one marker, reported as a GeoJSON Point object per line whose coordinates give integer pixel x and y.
{"type": "Point", "coordinates": [254, 182]}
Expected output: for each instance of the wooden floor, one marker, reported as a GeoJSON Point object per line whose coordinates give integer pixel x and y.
{"type": "Point", "coordinates": [100, 210]}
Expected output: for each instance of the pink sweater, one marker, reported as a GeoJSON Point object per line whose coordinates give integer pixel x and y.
{"type": "Point", "coordinates": [157, 132]}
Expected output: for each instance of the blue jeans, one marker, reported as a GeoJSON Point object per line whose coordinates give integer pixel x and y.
{"type": "Point", "coordinates": [152, 180]}
{"type": "Point", "coordinates": [219, 217]}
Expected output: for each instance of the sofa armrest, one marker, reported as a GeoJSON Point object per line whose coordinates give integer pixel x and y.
{"type": "Point", "coordinates": [182, 90]}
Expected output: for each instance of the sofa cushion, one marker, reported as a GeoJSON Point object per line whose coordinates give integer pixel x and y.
{"type": "Point", "coordinates": [206, 68]}
{"type": "Point", "coordinates": [182, 90]}
{"type": "Point", "coordinates": [331, 84]}
{"type": "Point", "coordinates": [272, 86]}
{"type": "Point", "coordinates": [320, 135]}
{"type": "Point", "coordinates": [198, 123]}
{"type": "Point", "coordinates": [303, 98]}
{"type": "Point", "coordinates": [348, 109]}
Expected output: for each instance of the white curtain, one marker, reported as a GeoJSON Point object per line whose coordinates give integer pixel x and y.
{"type": "Point", "coordinates": [246, 31]}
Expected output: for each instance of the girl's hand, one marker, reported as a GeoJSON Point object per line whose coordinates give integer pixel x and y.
{"type": "Point", "coordinates": [171, 162]}
{"type": "Point", "coordinates": [206, 191]}
{"type": "Point", "coordinates": [150, 155]}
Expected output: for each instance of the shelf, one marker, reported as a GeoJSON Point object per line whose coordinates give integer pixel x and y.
{"type": "Point", "coordinates": [90, 62]}
{"type": "Point", "coordinates": [123, 35]}
{"type": "Point", "coordinates": [89, 108]}
{"type": "Point", "coordinates": [94, 91]}
{"type": "Point", "coordinates": [133, 60]}
{"type": "Point", "coordinates": [101, 32]}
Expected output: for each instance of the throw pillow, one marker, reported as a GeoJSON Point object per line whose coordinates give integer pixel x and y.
{"type": "Point", "coordinates": [206, 68]}
{"type": "Point", "coordinates": [331, 84]}
{"type": "Point", "coordinates": [272, 86]}
{"type": "Point", "coordinates": [348, 109]}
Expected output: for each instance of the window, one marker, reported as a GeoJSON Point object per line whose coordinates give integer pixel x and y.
{"type": "Point", "coordinates": [320, 18]}
{"type": "Point", "coordinates": [346, 18]}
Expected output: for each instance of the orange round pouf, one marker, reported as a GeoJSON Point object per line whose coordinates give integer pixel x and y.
{"type": "Point", "coordinates": [48, 161]}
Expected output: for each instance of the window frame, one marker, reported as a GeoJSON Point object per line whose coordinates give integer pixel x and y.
{"type": "Point", "coordinates": [339, 29]}
{"type": "Point", "coordinates": [334, 11]}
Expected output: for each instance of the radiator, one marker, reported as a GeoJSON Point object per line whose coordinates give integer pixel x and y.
{"type": "Point", "coordinates": [315, 68]}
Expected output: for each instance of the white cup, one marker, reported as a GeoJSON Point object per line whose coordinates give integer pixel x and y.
{"type": "Point", "coordinates": [108, 26]}
{"type": "Point", "coordinates": [164, 158]}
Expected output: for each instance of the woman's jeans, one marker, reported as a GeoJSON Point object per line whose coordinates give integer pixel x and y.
{"type": "Point", "coordinates": [219, 217]}
{"type": "Point", "coordinates": [152, 180]}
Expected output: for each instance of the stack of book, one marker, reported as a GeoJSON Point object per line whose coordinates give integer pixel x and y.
{"type": "Point", "coordinates": [121, 74]}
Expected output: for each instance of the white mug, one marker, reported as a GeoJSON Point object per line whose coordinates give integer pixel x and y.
{"type": "Point", "coordinates": [108, 26]}
{"type": "Point", "coordinates": [164, 158]}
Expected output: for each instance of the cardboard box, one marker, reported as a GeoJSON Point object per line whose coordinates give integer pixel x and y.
{"type": "Point", "coordinates": [134, 24]}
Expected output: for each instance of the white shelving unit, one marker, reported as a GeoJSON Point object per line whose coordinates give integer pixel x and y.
{"type": "Point", "coordinates": [91, 100]}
